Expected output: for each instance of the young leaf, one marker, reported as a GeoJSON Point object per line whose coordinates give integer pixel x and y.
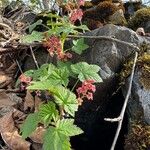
{"type": "Point", "coordinates": [55, 140]}
{"type": "Point", "coordinates": [83, 27]}
{"type": "Point", "coordinates": [34, 37]}
{"type": "Point", "coordinates": [29, 125]}
{"type": "Point", "coordinates": [67, 99]}
{"type": "Point", "coordinates": [79, 46]}
{"type": "Point", "coordinates": [47, 112]}
{"type": "Point", "coordinates": [67, 127]}
{"type": "Point", "coordinates": [43, 85]}
{"type": "Point", "coordinates": [32, 26]}
{"type": "Point", "coordinates": [66, 65]}
{"type": "Point", "coordinates": [86, 71]}
{"type": "Point", "coordinates": [60, 76]}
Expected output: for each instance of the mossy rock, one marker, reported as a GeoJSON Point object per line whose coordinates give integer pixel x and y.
{"type": "Point", "coordinates": [140, 19]}
{"type": "Point", "coordinates": [138, 137]}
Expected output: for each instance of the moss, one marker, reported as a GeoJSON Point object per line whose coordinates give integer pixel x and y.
{"type": "Point", "coordinates": [96, 2]}
{"type": "Point", "coordinates": [101, 12]}
{"type": "Point", "coordinates": [143, 63]}
{"type": "Point", "coordinates": [140, 17]}
{"type": "Point", "coordinates": [138, 137]}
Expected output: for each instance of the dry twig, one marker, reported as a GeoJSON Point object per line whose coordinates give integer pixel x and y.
{"type": "Point", "coordinates": [121, 116]}
{"type": "Point", "coordinates": [35, 61]}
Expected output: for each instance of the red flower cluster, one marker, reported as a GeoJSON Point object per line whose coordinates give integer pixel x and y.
{"type": "Point", "coordinates": [54, 46]}
{"type": "Point", "coordinates": [25, 79]}
{"type": "Point", "coordinates": [86, 91]}
{"type": "Point", "coordinates": [76, 14]}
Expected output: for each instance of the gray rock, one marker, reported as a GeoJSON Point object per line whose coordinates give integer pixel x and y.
{"type": "Point", "coordinates": [147, 27]}
{"type": "Point", "coordinates": [110, 56]}
{"type": "Point", "coordinates": [139, 102]}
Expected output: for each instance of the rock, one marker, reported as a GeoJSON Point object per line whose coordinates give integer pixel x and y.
{"type": "Point", "coordinates": [139, 101]}
{"type": "Point", "coordinates": [118, 18]}
{"type": "Point", "coordinates": [147, 27]}
{"type": "Point", "coordinates": [110, 56]}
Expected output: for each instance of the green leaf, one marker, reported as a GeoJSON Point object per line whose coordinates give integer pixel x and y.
{"type": "Point", "coordinates": [55, 140]}
{"type": "Point", "coordinates": [67, 99]}
{"type": "Point", "coordinates": [34, 37]}
{"type": "Point", "coordinates": [86, 71]}
{"type": "Point", "coordinates": [43, 85]}
{"type": "Point", "coordinates": [47, 112]}
{"type": "Point", "coordinates": [32, 26]}
{"type": "Point", "coordinates": [66, 65]}
{"type": "Point", "coordinates": [51, 68]}
{"type": "Point", "coordinates": [83, 27]}
{"type": "Point", "coordinates": [67, 127]}
{"type": "Point", "coordinates": [29, 125]}
{"type": "Point", "coordinates": [60, 76]}
{"type": "Point", "coordinates": [79, 46]}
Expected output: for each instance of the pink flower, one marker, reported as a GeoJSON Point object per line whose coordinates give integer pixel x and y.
{"type": "Point", "coordinates": [86, 90]}
{"type": "Point", "coordinates": [25, 79]}
{"type": "Point", "coordinates": [76, 15]}
{"type": "Point", "coordinates": [54, 47]}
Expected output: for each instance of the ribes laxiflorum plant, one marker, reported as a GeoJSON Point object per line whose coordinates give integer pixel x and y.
{"type": "Point", "coordinates": [55, 79]}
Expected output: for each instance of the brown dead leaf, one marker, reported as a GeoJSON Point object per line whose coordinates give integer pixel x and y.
{"type": "Point", "coordinates": [29, 102]}
{"type": "Point", "coordinates": [37, 135]}
{"type": "Point", "coordinates": [10, 134]}
{"type": "Point", "coordinates": [37, 102]}
{"type": "Point", "coordinates": [5, 100]}
{"type": "Point", "coordinates": [4, 80]}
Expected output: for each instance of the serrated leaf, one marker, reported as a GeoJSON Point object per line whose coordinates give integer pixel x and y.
{"type": "Point", "coordinates": [55, 140]}
{"type": "Point", "coordinates": [51, 68]}
{"type": "Point", "coordinates": [67, 127]}
{"type": "Point", "coordinates": [32, 26]}
{"type": "Point", "coordinates": [34, 37]}
{"type": "Point", "coordinates": [79, 46]}
{"type": "Point", "coordinates": [67, 99]}
{"type": "Point", "coordinates": [60, 76]}
{"type": "Point", "coordinates": [86, 71]}
{"type": "Point", "coordinates": [66, 65]}
{"type": "Point", "coordinates": [29, 125]}
{"type": "Point", "coordinates": [43, 85]}
{"type": "Point", "coordinates": [47, 112]}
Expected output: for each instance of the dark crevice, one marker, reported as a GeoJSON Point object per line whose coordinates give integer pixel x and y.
{"type": "Point", "coordinates": [102, 132]}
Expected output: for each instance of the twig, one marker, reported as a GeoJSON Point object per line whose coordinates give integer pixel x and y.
{"type": "Point", "coordinates": [89, 37]}
{"type": "Point", "coordinates": [10, 90]}
{"type": "Point", "coordinates": [35, 61]}
{"type": "Point", "coordinates": [19, 66]}
{"type": "Point", "coordinates": [121, 116]}
{"type": "Point", "coordinates": [104, 38]}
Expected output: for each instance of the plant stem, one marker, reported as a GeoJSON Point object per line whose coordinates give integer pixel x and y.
{"type": "Point", "coordinates": [74, 85]}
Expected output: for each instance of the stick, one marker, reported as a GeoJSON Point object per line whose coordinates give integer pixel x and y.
{"type": "Point", "coordinates": [121, 116]}
{"type": "Point", "coordinates": [105, 38]}
{"type": "Point", "coordinates": [89, 37]}
{"type": "Point", "coordinates": [35, 61]}
{"type": "Point", "coordinates": [10, 90]}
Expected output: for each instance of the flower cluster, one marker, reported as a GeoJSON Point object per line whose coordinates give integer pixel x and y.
{"type": "Point", "coordinates": [54, 46]}
{"type": "Point", "coordinates": [25, 79]}
{"type": "Point", "coordinates": [75, 15]}
{"type": "Point", "coordinates": [86, 91]}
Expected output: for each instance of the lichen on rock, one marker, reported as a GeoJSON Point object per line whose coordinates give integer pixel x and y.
{"type": "Point", "coordinates": [140, 19]}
